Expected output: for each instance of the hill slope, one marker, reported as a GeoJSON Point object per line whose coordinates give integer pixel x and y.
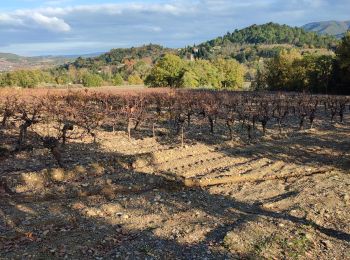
{"type": "Point", "coordinates": [9, 61]}
{"type": "Point", "coordinates": [10, 56]}
{"type": "Point", "coordinates": [117, 56]}
{"type": "Point", "coordinates": [256, 41]}
{"type": "Point", "coordinates": [335, 28]}
{"type": "Point", "coordinates": [273, 33]}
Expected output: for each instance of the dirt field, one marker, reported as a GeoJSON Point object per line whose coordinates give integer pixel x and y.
{"type": "Point", "coordinates": [281, 196]}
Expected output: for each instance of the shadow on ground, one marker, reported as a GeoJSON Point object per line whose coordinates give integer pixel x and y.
{"type": "Point", "coordinates": [70, 218]}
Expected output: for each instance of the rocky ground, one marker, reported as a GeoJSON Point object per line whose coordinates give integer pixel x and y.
{"type": "Point", "coordinates": [282, 196]}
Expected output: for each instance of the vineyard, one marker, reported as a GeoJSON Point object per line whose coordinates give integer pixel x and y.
{"type": "Point", "coordinates": [157, 164]}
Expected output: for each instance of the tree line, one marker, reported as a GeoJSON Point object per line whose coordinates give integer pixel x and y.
{"type": "Point", "coordinates": [169, 71]}
{"type": "Point", "coordinates": [172, 71]}
{"type": "Point", "coordinates": [292, 71]}
{"type": "Point", "coordinates": [52, 77]}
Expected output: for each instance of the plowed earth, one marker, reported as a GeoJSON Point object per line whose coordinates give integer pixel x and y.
{"type": "Point", "coordinates": [282, 196]}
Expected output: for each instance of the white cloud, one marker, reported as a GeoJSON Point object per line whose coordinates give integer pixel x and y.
{"type": "Point", "coordinates": [51, 23]}
{"type": "Point", "coordinates": [6, 19]}
{"type": "Point", "coordinates": [174, 23]}
{"type": "Point", "coordinates": [54, 18]}
{"type": "Point", "coordinates": [32, 20]}
{"type": "Point", "coordinates": [173, 9]}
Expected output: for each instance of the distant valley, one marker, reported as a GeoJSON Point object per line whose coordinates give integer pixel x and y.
{"type": "Point", "coordinates": [10, 62]}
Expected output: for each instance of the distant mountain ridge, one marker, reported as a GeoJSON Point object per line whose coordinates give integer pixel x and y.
{"type": "Point", "coordinates": [10, 61]}
{"type": "Point", "coordinates": [9, 56]}
{"type": "Point", "coordinates": [335, 28]}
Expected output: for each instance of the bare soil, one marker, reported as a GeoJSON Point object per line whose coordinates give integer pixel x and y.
{"type": "Point", "coordinates": [281, 196]}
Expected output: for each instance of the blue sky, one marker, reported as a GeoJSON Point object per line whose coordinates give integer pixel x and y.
{"type": "Point", "coordinates": [41, 27]}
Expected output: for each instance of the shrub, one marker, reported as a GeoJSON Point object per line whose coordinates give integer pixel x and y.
{"type": "Point", "coordinates": [92, 80]}
{"type": "Point", "coordinates": [135, 80]}
{"type": "Point", "coordinates": [118, 80]}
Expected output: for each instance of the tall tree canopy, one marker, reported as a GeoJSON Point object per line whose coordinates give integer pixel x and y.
{"type": "Point", "coordinates": [231, 73]}
{"type": "Point", "coordinates": [292, 71]}
{"type": "Point", "coordinates": [342, 73]}
{"type": "Point", "coordinates": [167, 72]}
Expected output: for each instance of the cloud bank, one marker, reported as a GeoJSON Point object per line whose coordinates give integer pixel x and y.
{"type": "Point", "coordinates": [68, 27]}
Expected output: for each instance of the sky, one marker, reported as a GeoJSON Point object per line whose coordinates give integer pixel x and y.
{"type": "Point", "coordinates": [57, 27]}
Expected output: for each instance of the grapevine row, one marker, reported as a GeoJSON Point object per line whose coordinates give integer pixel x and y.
{"type": "Point", "coordinates": [72, 115]}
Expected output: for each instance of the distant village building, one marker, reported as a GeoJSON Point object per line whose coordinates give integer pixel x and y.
{"type": "Point", "coordinates": [190, 57]}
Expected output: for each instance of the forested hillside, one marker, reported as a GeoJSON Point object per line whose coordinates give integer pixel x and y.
{"type": "Point", "coordinates": [273, 33]}
{"type": "Point", "coordinates": [262, 41]}
{"type": "Point", "coordinates": [149, 52]}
